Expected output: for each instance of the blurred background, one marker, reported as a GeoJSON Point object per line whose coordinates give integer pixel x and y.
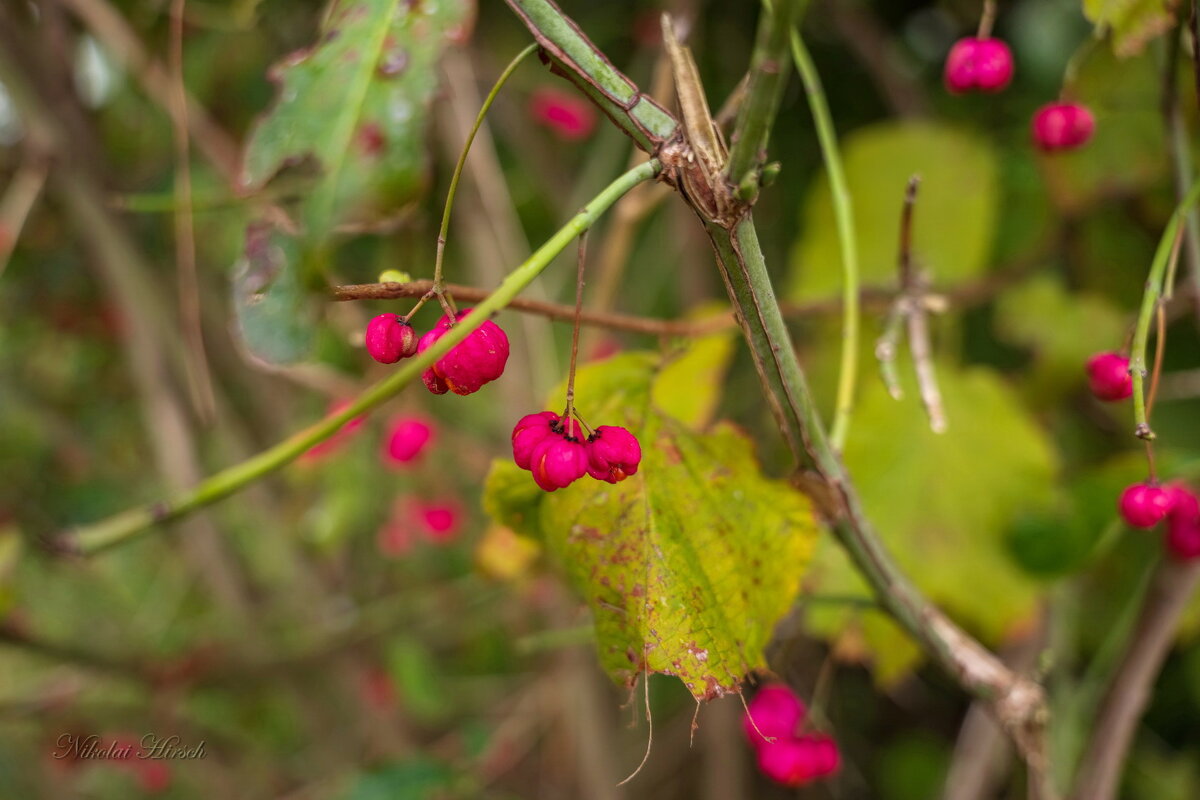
{"type": "Point", "coordinates": [355, 625]}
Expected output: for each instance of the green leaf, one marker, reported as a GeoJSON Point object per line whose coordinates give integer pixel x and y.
{"type": "Point", "coordinates": [1042, 315]}
{"type": "Point", "coordinates": [954, 219]}
{"type": "Point", "coordinates": [276, 318]}
{"type": "Point", "coordinates": [943, 504]}
{"type": "Point", "coordinates": [688, 564]}
{"type": "Point", "coordinates": [357, 104]}
{"type": "Point", "coordinates": [689, 387]}
{"type": "Point", "coordinates": [512, 499]}
{"type": "Point", "coordinates": [1133, 23]}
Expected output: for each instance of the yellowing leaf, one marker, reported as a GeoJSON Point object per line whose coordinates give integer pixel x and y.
{"type": "Point", "coordinates": [1133, 22]}
{"type": "Point", "coordinates": [356, 103]}
{"type": "Point", "coordinates": [942, 504]}
{"type": "Point", "coordinates": [688, 564]}
{"type": "Point", "coordinates": [953, 225]}
{"type": "Point", "coordinates": [503, 555]}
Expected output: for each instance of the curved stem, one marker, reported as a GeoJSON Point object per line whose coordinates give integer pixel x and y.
{"type": "Point", "coordinates": [462, 161]}
{"type": "Point", "coordinates": [843, 211]}
{"type": "Point", "coordinates": [1150, 300]}
{"type": "Point", "coordinates": [127, 524]}
{"type": "Point", "coordinates": [582, 259]}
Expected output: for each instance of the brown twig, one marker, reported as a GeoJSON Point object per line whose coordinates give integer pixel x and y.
{"type": "Point", "coordinates": [18, 201]}
{"type": "Point", "coordinates": [199, 377]}
{"type": "Point", "coordinates": [912, 306]}
{"type": "Point", "coordinates": [1179, 147]}
{"type": "Point", "coordinates": [1129, 691]}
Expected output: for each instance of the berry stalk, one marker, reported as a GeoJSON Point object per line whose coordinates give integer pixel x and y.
{"type": "Point", "coordinates": [1150, 300]}
{"type": "Point", "coordinates": [122, 527]}
{"type": "Point", "coordinates": [462, 161]}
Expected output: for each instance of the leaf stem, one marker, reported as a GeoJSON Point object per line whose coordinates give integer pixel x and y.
{"type": "Point", "coordinates": [757, 114]}
{"type": "Point", "coordinates": [1150, 300]}
{"type": "Point", "coordinates": [843, 211]}
{"type": "Point", "coordinates": [124, 526]}
{"type": "Point", "coordinates": [462, 161]}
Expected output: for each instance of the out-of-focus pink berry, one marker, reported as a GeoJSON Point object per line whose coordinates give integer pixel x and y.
{"type": "Point", "coordinates": [1062, 126]}
{"type": "Point", "coordinates": [153, 775]}
{"type": "Point", "coordinates": [983, 64]}
{"type": "Point", "coordinates": [377, 689]}
{"type": "Point", "coordinates": [613, 453]}
{"type": "Point", "coordinates": [406, 440]}
{"type": "Point", "coordinates": [389, 339]}
{"type": "Point", "coordinates": [1143, 505]}
{"type": "Point", "coordinates": [440, 522]}
{"type": "Point", "coordinates": [775, 712]}
{"type": "Point", "coordinates": [794, 762]}
{"type": "Point", "coordinates": [334, 442]}
{"type": "Point", "coordinates": [529, 431]}
{"type": "Point", "coordinates": [565, 113]}
{"type": "Point", "coordinates": [1183, 524]}
{"type": "Point", "coordinates": [1108, 376]}
{"type": "Point", "coordinates": [558, 461]}
{"type": "Point", "coordinates": [478, 359]}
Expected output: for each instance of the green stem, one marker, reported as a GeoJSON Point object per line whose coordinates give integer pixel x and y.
{"type": "Point", "coordinates": [462, 160]}
{"type": "Point", "coordinates": [573, 56]}
{"type": "Point", "coordinates": [843, 211]}
{"type": "Point", "coordinates": [767, 75]}
{"type": "Point", "coordinates": [1150, 299]}
{"type": "Point", "coordinates": [124, 526]}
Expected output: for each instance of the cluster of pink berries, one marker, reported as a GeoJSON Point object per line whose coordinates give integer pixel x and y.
{"type": "Point", "coordinates": [1108, 377]}
{"type": "Point", "coordinates": [985, 64]}
{"type": "Point", "coordinates": [772, 726]}
{"type": "Point", "coordinates": [478, 359]}
{"type": "Point", "coordinates": [556, 451]}
{"type": "Point", "coordinates": [1144, 505]}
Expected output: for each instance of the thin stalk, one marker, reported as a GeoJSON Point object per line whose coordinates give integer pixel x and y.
{"type": "Point", "coordinates": [843, 212]}
{"type": "Point", "coordinates": [582, 259]}
{"type": "Point", "coordinates": [1150, 300]}
{"type": "Point", "coordinates": [767, 74]}
{"type": "Point", "coordinates": [986, 19]}
{"type": "Point", "coordinates": [462, 161]}
{"type": "Point", "coordinates": [124, 526]}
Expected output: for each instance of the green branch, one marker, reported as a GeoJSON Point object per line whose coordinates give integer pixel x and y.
{"type": "Point", "coordinates": [765, 87]}
{"type": "Point", "coordinates": [843, 211]}
{"type": "Point", "coordinates": [574, 57]}
{"type": "Point", "coordinates": [1150, 300]}
{"type": "Point", "coordinates": [124, 526]}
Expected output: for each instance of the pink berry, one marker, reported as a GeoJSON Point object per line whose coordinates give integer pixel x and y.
{"type": "Point", "coordinates": [1183, 524]}
{"type": "Point", "coordinates": [613, 454]}
{"type": "Point", "coordinates": [440, 522]}
{"type": "Point", "coordinates": [558, 461]}
{"type": "Point", "coordinates": [1062, 126]}
{"type": "Point", "coordinates": [478, 359]}
{"type": "Point", "coordinates": [390, 339]}
{"type": "Point", "coordinates": [775, 712]}
{"type": "Point", "coordinates": [1143, 505]}
{"type": "Point", "coordinates": [565, 113]}
{"type": "Point", "coordinates": [407, 438]}
{"type": "Point", "coordinates": [1108, 376]}
{"type": "Point", "coordinates": [983, 64]}
{"type": "Point", "coordinates": [794, 762]}
{"type": "Point", "coordinates": [153, 775]}
{"type": "Point", "coordinates": [529, 431]}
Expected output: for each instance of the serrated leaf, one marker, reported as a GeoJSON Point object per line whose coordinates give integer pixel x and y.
{"type": "Point", "coordinates": [954, 220]}
{"type": "Point", "coordinates": [276, 318]}
{"type": "Point", "coordinates": [1133, 23]}
{"type": "Point", "coordinates": [356, 103]}
{"type": "Point", "coordinates": [689, 387]}
{"type": "Point", "coordinates": [688, 564]}
{"type": "Point", "coordinates": [943, 505]}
